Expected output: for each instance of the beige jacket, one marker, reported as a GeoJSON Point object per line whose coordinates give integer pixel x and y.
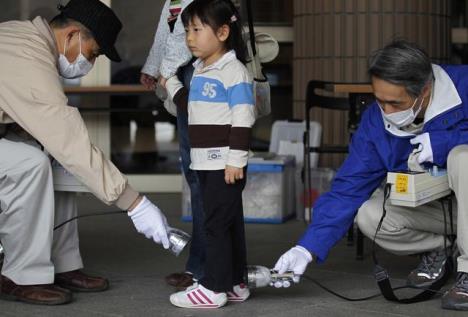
{"type": "Point", "coordinates": [32, 96]}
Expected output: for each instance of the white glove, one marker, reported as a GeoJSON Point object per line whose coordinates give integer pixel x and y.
{"type": "Point", "coordinates": [150, 221]}
{"type": "Point", "coordinates": [296, 260]}
{"type": "Point", "coordinates": [425, 147]}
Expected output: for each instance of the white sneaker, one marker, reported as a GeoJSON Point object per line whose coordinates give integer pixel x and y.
{"type": "Point", "coordinates": [239, 293]}
{"type": "Point", "coordinates": [197, 296]}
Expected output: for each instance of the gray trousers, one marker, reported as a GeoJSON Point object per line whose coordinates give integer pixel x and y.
{"type": "Point", "coordinates": [407, 230]}
{"type": "Point", "coordinates": [29, 209]}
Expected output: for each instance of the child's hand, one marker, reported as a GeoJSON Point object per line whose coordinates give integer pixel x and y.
{"type": "Point", "coordinates": [162, 81]}
{"type": "Point", "coordinates": [231, 174]}
{"type": "Point", "coordinates": [148, 81]}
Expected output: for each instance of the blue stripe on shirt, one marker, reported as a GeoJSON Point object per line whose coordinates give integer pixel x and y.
{"type": "Point", "coordinates": [207, 90]}
{"type": "Point", "coordinates": [241, 94]}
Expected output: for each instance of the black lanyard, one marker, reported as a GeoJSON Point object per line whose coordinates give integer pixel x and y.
{"type": "Point", "coordinates": [381, 274]}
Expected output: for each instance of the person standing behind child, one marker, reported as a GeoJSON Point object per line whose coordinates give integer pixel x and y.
{"type": "Point", "coordinates": [220, 108]}
{"type": "Point", "coordinates": [170, 55]}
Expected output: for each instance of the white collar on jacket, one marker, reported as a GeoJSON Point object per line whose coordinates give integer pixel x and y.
{"type": "Point", "coordinates": [445, 97]}
{"type": "Point", "coordinates": [219, 64]}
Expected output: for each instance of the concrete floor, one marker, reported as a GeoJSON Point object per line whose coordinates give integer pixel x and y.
{"type": "Point", "coordinates": [136, 268]}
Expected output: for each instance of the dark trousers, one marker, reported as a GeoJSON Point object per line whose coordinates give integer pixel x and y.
{"type": "Point", "coordinates": [224, 231]}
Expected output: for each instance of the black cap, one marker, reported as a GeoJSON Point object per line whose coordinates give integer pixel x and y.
{"type": "Point", "coordinates": [100, 20]}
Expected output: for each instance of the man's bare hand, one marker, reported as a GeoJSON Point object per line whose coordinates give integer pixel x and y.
{"type": "Point", "coordinates": [231, 174]}
{"type": "Point", "coordinates": [148, 81]}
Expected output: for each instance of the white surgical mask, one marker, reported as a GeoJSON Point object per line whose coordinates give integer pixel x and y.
{"type": "Point", "coordinates": [80, 67]}
{"type": "Point", "coordinates": [403, 118]}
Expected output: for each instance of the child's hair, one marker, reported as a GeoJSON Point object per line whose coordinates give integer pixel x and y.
{"type": "Point", "coordinates": [215, 14]}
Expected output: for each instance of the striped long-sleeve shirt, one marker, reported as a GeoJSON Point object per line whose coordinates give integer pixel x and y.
{"type": "Point", "coordinates": [220, 111]}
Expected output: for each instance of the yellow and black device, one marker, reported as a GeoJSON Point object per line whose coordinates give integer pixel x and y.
{"type": "Point", "coordinates": [413, 189]}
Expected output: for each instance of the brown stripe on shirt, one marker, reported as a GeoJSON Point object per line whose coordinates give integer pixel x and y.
{"type": "Point", "coordinates": [239, 138]}
{"type": "Point", "coordinates": [181, 99]}
{"type": "Point", "coordinates": [209, 135]}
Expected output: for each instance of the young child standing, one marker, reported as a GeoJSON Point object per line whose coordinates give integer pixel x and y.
{"type": "Point", "coordinates": [220, 110]}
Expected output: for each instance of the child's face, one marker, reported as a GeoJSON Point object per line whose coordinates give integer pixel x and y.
{"type": "Point", "coordinates": [204, 43]}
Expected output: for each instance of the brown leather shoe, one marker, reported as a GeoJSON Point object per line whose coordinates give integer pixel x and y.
{"type": "Point", "coordinates": [47, 294]}
{"type": "Point", "coordinates": [79, 282]}
{"type": "Point", "coordinates": [180, 280]}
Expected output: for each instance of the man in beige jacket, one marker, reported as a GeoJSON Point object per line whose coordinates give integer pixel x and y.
{"type": "Point", "coordinates": [33, 56]}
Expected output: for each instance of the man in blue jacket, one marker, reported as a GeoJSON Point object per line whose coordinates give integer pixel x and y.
{"type": "Point", "coordinates": [418, 104]}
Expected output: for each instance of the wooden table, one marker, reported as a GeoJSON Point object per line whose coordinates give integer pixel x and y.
{"type": "Point", "coordinates": [111, 90]}
{"type": "Point", "coordinates": [360, 88]}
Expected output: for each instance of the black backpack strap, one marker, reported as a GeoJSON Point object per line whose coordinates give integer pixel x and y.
{"type": "Point", "coordinates": [251, 27]}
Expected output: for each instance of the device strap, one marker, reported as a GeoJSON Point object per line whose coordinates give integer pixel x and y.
{"type": "Point", "coordinates": [383, 279]}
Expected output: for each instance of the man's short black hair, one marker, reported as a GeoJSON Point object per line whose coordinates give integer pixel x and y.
{"type": "Point", "coordinates": [402, 63]}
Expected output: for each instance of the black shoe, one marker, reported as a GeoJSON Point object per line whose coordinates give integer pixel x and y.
{"type": "Point", "coordinates": [457, 297]}
{"type": "Point", "coordinates": [430, 269]}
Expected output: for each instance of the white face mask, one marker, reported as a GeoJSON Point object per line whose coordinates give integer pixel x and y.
{"type": "Point", "coordinates": [80, 67]}
{"type": "Point", "coordinates": [403, 118]}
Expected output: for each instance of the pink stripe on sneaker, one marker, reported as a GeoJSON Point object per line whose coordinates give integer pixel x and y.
{"type": "Point", "coordinates": [235, 294]}
{"type": "Point", "coordinates": [204, 296]}
{"type": "Point", "coordinates": [191, 299]}
{"type": "Point", "coordinates": [198, 298]}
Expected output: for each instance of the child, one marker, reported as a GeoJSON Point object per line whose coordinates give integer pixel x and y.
{"type": "Point", "coordinates": [167, 56]}
{"type": "Point", "coordinates": [221, 114]}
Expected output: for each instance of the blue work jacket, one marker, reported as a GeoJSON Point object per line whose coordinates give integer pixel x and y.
{"type": "Point", "coordinates": [377, 147]}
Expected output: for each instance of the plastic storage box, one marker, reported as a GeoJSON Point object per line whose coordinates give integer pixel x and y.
{"type": "Point", "coordinates": [321, 179]}
{"type": "Point", "coordinates": [287, 138]}
{"type": "Point", "coordinates": [269, 195]}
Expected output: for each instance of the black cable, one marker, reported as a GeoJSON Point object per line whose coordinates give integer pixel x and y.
{"type": "Point", "coordinates": [450, 209]}
{"type": "Point", "coordinates": [90, 215]}
{"type": "Point", "coordinates": [445, 228]}
{"type": "Point", "coordinates": [452, 235]}
{"type": "Point", "coordinates": [361, 299]}
{"type": "Point", "coordinates": [387, 190]}
{"type": "Point", "coordinates": [325, 288]}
